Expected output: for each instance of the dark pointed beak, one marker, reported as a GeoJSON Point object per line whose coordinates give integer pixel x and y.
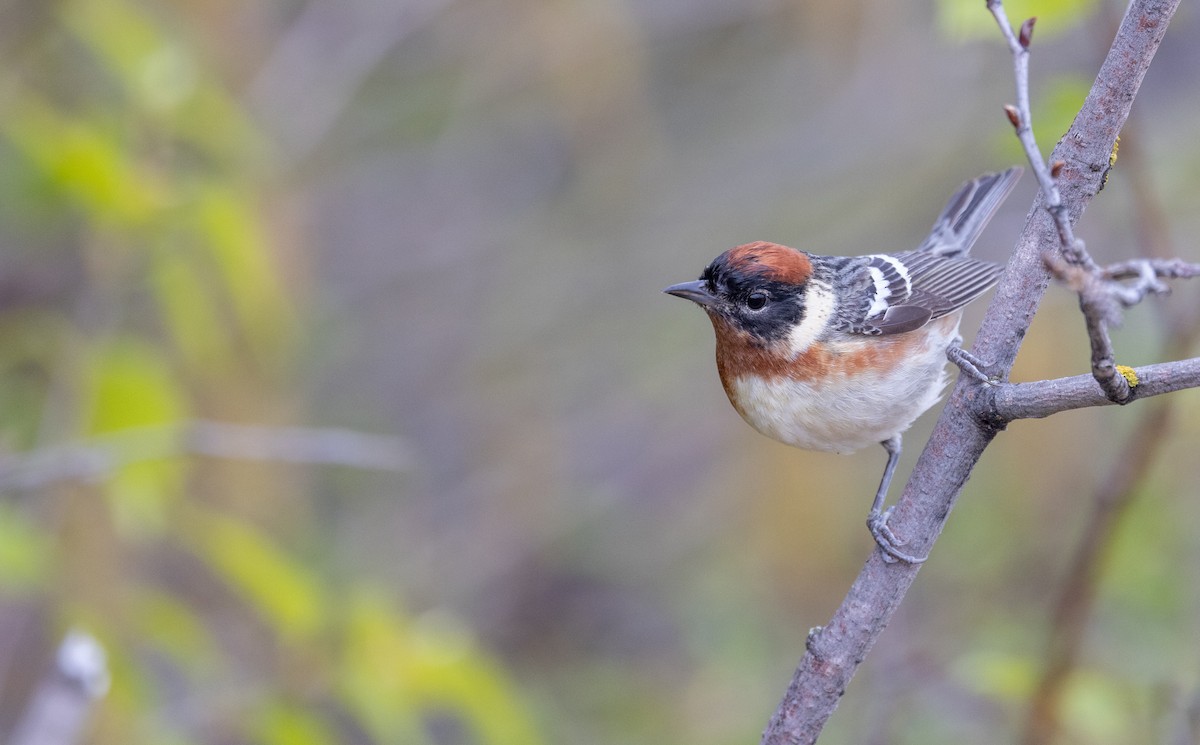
{"type": "Point", "coordinates": [696, 291]}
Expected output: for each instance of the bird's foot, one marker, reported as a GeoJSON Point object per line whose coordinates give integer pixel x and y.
{"type": "Point", "coordinates": [877, 523]}
{"type": "Point", "coordinates": [972, 366]}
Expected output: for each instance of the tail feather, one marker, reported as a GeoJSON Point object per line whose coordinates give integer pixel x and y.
{"type": "Point", "coordinates": [968, 213]}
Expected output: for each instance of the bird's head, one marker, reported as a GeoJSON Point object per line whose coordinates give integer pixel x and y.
{"type": "Point", "coordinates": [757, 288]}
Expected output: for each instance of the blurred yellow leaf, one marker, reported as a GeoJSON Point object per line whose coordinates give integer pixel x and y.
{"type": "Point", "coordinates": [279, 723]}
{"type": "Point", "coordinates": [962, 20]}
{"type": "Point", "coordinates": [118, 33]}
{"type": "Point", "coordinates": [173, 627]}
{"type": "Point", "coordinates": [25, 551]}
{"type": "Point", "coordinates": [230, 229]}
{"type": "Point", "coordinates": [1000, 675]}
{"type": "Point", "coordinates": [85, 162]}
{"type": "Point", "coordinates": [161, 74]}
{"type": "Point", "coordinates": [282, 590]}
{"type": "Point", "coordinates": [395, 668]}
{"type": "Point", "coordinates": [374, 679]}
{"type": "Point", "coordinates": [1099, 709]}
{"type": "Point", "coordinates": [190, 310]}
{"type": "Point", "coordinates": [132, 385]}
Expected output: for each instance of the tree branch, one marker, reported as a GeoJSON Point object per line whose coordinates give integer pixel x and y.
{"type": "Point", "coordinates": [961, 434]}
{"type": "Point", "coordinates": [1100, 298]}
{"type": "Point", "coordinates": [64, 699]}
{"type": "Point", "coordinates": [104, 454]}
{"type": "Point", "coordinates": [1045, 397]}
{"type": "Point", "coordinates": [1022, 120]}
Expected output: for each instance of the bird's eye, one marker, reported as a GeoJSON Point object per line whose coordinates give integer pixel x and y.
{"type": "Point", "coordinates": [757, 300]}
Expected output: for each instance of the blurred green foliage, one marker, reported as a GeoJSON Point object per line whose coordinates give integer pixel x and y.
{"type": "Point", "coordinates": [1054, 109]}
{"type": "Point", "coordinates": [452, 221]}
{"type": "Point", "coordinates": [961, 19]}
{"type": "Point", "coordinates": [25, 552]}
{"type": "Point", "coordinates": [183, 310]}
{"type": "Point", "coordinates": [131, 385]}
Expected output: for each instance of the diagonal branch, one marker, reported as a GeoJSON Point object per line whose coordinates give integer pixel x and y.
{"type": "Point", "coordinates": [961, 435]}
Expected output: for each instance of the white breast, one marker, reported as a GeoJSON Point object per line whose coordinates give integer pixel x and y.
{"type": "Point", "coordinates": [844, 413]}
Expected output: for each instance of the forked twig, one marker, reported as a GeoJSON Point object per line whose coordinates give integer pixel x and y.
{"type": "Point", "coordinates": [1101, 295]}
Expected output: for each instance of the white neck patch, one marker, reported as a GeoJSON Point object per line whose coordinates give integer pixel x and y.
{"type": "Point", "coordinates": [819, 304]}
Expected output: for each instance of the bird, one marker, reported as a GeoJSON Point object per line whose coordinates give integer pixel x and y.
{"type": "Point", "coordinates": [836, 353]}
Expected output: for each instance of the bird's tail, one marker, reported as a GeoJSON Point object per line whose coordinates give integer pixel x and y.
{"type": "Point", "coordinates": [968, 213]}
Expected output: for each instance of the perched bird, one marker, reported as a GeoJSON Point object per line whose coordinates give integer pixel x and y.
{"type": "Point", "coordinates": [835, 353]}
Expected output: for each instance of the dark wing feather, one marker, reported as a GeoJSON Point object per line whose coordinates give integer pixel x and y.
{"type": "Point", "coordinates": [968, 212]}
{"type": "Point", "coordinates": [938, 288]}
{"type": "Point", "coordinates": [941, 276]}
{"type": "Point", "coordinates": [946, 285]}
{"type": "Point", "coordinates": [895, 287]}
{"type": "Point", "coordinates": [900, 318]}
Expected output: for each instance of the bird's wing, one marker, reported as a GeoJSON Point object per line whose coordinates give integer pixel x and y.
{"type": "Point", "coordinates": [934, 286]}
{"type": "Point", "coordinates": [968, 212]}
{"type": "Point", "coordinates": [904, 291]}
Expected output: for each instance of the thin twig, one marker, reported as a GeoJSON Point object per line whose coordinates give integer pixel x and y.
{"type": "Point", "coordinates": [1022, 120]}
{"type": "Point", "coordinates": [1161, 268]}
{"type": "Point", "coordinates": [1100, 299]}
{"type": "Point", "coordinates": [1075, 268]}
{"type": "Point", "coordinates": [63, 701]}
{"type": "Point", "coordinates": [102, 455]}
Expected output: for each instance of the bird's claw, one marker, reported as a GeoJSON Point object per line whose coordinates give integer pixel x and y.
{"type": "Point", "coordinates": [877, 523]}
{"type": "Point", "coordinates": [972, 366]}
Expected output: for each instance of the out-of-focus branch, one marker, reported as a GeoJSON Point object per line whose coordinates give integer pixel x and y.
{"type": "Point", "coordinates": [63, 701]}
{"type": "Point", "coordinates": [1161, 268]}
{"type": "Point", "coordinates": [102, 455]}
{"type": "Point", "coordinates": [1075, 601]}
{"type": "Point", "coordinates": [1122, 484]}
{"type": "Point", "coordinates": [322, 61]}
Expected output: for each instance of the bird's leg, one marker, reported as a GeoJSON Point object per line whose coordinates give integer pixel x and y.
{"type": "Point", "coordinates": [877, 519]}
{"type": "Point", "coordinates": [972, 366]}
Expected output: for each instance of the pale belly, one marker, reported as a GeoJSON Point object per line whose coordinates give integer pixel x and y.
{"type": "Point", "coordinates": [845, 413]}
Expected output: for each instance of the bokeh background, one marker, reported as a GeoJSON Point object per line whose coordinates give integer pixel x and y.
{"type": "Point", "coordinates": [484, 486]}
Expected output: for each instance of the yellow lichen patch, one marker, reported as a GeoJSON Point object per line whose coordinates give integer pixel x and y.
{"type": "Point", "coordinates": [1129, 374]}
{"type": "Point", "coordinates": [1112, 161]}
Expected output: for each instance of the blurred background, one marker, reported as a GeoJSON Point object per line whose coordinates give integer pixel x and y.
{"type": "Point", "coordinates": [340, 402]}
